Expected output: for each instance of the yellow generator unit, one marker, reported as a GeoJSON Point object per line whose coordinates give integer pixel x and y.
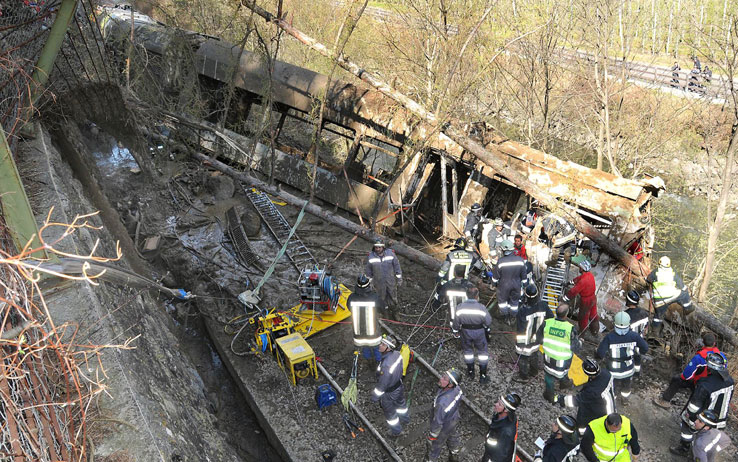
{"type": "Point", "coordinates": [295, 356]}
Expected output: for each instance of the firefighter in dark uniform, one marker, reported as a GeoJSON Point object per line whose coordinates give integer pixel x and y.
{"type": "Point", "coordinates": [472, 223]}
{"type": "Point", "coordinates": [714, 393]}
{"type": "Point", "coordinates": [595, 399]}
{"type": "Point", "coordinates": [560, 342]}
{"type": "Point", "coordinates": [638, 323]}
{"type": "Point", "coordinates": [459, 256]}
{"type": "Point", "coordinates": [444, 418]}
{"type": "Point", "coordinates": [364, 306]}
{"type": "Point", "coordinates": [389, 391]}
{"type": "Point", "coordinates": [508, 274]}
{"type": "Point", "coordinates": [531, 316]}
{"type": "Point", "coordinates": [383, 268]}
{"type": "Point", "coordinates": [502, 437]}
{"type": "Point", "coordinates": [453, 292]}
{"type": "Point", "coordinates": [474, 321]}
{"type": "Point", "coordinates": [563, 444]}
{"type": "Point", "coordinates": [618, 348]}
{"type": "Point", "coordinates": [667, 288]}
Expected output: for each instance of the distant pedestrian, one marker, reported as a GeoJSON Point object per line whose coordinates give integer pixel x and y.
{"type": "Point", "coordinates": [675, 75]}
{"type": "Point", "coordinates": [696, 62]}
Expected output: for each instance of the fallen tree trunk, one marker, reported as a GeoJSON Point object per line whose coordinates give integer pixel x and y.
{"type": "Point", "coordinates": [348, 225]}
{"type": "Point", "coordinates": [493, 157]}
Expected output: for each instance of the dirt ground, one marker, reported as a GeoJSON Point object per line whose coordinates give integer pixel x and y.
{"type": "Point", "coordinates": [195, 253]}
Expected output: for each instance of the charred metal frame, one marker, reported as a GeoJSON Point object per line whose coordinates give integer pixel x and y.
{"type": "Point", "coordinates": [368, 114]}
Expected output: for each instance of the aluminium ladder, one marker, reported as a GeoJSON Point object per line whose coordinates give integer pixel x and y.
{"type": "Point", "coordinates": [298, 254]}
{"type": "Point", "coordinates": [554, 281]}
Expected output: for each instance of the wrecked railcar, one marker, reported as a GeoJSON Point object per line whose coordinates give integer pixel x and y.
{"type": "Point", "coordinates": [391, 159]}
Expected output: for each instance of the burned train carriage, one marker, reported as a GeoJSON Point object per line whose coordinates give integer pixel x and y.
{"type": "Point", "coordinates": [379, 158]}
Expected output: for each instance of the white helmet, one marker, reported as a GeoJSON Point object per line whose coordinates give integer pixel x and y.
{"type": "Point", "coordinates": [665, 262]}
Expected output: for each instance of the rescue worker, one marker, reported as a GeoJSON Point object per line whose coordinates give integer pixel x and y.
{"type": "Point", "coordinates": [563, 444]}
{"type": "Point", "coordinates": [383, 268]}
{"type": "Point", "coordinates": [519, 247]}
{"type": "Point", "coordinates": [584, 286]}
{"type": "Point", "coordinates": [474, 321]}
{"type": "Point", "coordinates": [694, 370]}
{"type": "Point", "coordinates": [445, 417]}
{"type": "Point", "coordinates": [389, 391]}
{"type": "Point", "coordinates": [712, 393]}
{"type": "Point", "coordinates": [608, 439]}
{"type": "Point", "coordinates": [708, 441]}
{"type": "Point", "coordinates": [508, 274]}
{"type": "Point", "coordinates": [453, 292]}
{"type": "Point", "coordinates": [519, 250]}
{"type": "Point", "coordinates": [502, 437]}
{"type": "Point", "coordinates": [638, 323]}
{"type": "Point", "coordinates": [531, 315]}
{"type": "Point", "coordinates": [559, 235]}
{"type": "Point", "coordinates": [667, 288]}
{"type": "Point", "coordinates": [459, 256]}
{"type": "Point", "coordinates": [595, 399]}
{"type": "Point", "coordinates": [364, 305]}
{"type": "Point", "coordinates": [560, 342]}
{"type": "Point", "coordinates": [499, 233]}
{"type": "Point", "coordinates": [528, 222]}
{"type": "Point", "coordinates": [618, 348]}
{"type": "Point", "coordinates": [472, 224]}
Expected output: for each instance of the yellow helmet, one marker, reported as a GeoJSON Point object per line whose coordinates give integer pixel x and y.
{"type": "Point", "coordinates": [665, 262]}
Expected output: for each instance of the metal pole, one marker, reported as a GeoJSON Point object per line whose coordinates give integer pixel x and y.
{"type": "Point", "coordinates": [390, 450]}
{"type": "Point", "coordinates": [444, 195]}
{"type": "Point", "coordinates": [51, 48]}
{"type": "Point", "coordinates": [15, 206]}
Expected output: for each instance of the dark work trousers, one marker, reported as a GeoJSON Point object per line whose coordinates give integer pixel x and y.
{"type": "Point", "coordinates": [675, 384]}
{"type": "Point", "coordinates": [528, 365]}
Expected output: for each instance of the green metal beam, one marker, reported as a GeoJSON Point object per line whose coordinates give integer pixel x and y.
{"type": "Point", "coordinates": [15, 206]}
{"type": "Point", "coordinates": [51, 48]}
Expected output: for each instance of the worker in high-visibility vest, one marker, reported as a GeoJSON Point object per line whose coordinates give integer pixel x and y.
{"type": "Point", "coordinates": [364, 305]}
{"type": "Point", "coordinates": [459, 256]}
{"type": "Point", "coordinates": [611, 438]}
{"type": "Point", "coordinates": [560, 342]}
{"type": "Point", "coordinates": [668, 288]}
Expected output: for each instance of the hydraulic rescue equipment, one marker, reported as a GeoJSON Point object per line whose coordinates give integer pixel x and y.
{"type": "Point", "coordinates": [283, 333]}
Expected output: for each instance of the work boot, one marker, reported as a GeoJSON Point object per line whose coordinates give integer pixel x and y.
{"type": "Point", "coordinates": [662, 403]}
{"type": "Point", "coordinates": [680, 450]}
{"type": "Point", "coordinates": [483, 379]}
{"type": "Point", "coordinates": [470, 371]}
{"type": "Point", "coordinates": [453, 457]}
{"type": "Point", "coordinates": [520, 378]}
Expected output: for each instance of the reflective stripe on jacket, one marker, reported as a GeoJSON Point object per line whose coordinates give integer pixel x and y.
{"type": "Point", "coordinates": [665, 285]}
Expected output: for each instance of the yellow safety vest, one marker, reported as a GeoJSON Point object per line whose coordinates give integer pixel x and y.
{"type": "Point", "coordinates": [665, 286]}
{"type": "Point", "coordinates": [611, 447]}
